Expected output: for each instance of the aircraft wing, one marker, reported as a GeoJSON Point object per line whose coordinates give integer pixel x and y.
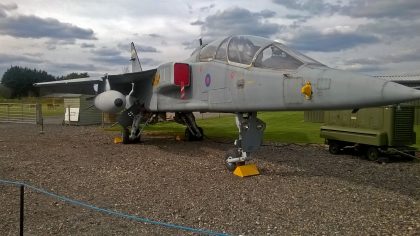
{"type": "Point", "coordinates": [121, 83]}
{"type": "Point", "coordinates": [131, 77]}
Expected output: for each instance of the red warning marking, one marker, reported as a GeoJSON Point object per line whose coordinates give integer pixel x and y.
{"type": "Point", "coordinates": [182, 91]}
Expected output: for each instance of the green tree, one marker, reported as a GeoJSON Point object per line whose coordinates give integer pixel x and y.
{"type": "Point", "coordinates": [20, 80]}
{"type": "Point", "coordinates": [74, 75]}
{"type": "Point", "coordinates": [5, 92]}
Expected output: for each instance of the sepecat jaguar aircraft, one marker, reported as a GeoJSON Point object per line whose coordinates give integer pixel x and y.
{"type": "Point", "coordinates": [239, 74]}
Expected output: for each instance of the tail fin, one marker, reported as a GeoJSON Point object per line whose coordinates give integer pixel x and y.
{"type": "Point", "coordinates": [135, 62]}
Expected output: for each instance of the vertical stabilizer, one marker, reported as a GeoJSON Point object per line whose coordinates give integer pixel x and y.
{"type": "Point", "coordinates": [135, 62]}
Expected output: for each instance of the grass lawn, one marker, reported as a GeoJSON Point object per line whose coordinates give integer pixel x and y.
{"type": "Point", "coordinates": [287, 127]}
{"type": "Point", "coordinates": [281, 126]}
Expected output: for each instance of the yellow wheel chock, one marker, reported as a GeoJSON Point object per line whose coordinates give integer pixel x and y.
{"type": "Point", "coordinates": [118, 140]}
{"type": "Point", "coordinates": [246, 170]}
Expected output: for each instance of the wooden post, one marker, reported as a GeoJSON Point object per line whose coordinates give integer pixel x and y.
{"type": "Point", "coordinates": [8, 111]}
{"type": "Point", "coordinates": [39, 117]}
{"type": "Point", "coordinates": [68, 107]}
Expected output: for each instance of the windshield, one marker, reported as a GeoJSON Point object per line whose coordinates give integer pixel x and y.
{"type": "Point", "coordinates": [298, 55]}
{"type": "Point", "coordinates": [274, 57]}
{"type": "Point", "coordinates": [242, 49]}
{"type": "Point", "coordinates": [239, 49]}
{"type": "Point", "coordinates": [209, 51]}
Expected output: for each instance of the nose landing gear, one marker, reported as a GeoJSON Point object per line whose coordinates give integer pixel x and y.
{"type": "Point", "coordinates": [251, 131]}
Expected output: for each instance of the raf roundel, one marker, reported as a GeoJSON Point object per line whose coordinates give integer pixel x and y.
{"type": "Point", "coordinates": [207, 80]}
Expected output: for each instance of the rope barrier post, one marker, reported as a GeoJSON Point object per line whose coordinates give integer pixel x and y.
{"type": "Point", "coordinates": [22, 202]}
{"type": "Point", "coordinates": [98, 209]}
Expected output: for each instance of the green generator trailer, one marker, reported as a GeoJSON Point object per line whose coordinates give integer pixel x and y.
{"type": "Point", "coordinates": [371, 131]}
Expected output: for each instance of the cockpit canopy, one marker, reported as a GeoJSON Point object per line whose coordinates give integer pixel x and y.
{"type": "Point", "coordinates": [254, 51]}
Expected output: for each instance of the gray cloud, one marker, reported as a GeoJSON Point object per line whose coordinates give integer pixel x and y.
{"type": "Point", "coordinates": [8, 7]}
{"type": "Point", "coordinates": [312, 40]}
{"type": "Point", "coordinates": [197, 22]}
{"type": "Point", "coordinates": [51, 47]}
{"type": "Point", "coordinates": [140, 48]}
{"type": "Point", "coordinates": [35, 54]}
{"type": "Point", "coordinates": [367, 69]}
{"type": "Point", "coordinates": [363, 61]}
{"type": "Point", "coordinates": [4, 8]}
{"type": "Point", "coordinates": [35, 27]}
{"type": "Point", "coordinates": [125, 47]}
{"type": "Point", "coordinates": [266, 13]}
{"type": "Point", "coordinates": [190, 44]}
{"type": "Point", "coordinates": [314, 7]}
{"type": "Point", "coordinates": [295, 16]}
{"type": "Point", "coordinates": [149, 62]}
{"type": "Point", "coordinates": [75, 67]}
{"type": "Point", "coordinates": [412, 56]}
{"type": "Point", "coordinates": [104, 51]}
{"type": "Point", "coordinates": [154, 35]}
{"type": "Point", "coordinates": [110, 55]}
{"type": "Point", "coordinates": [14, 59]}
{"type": "Point", "coordinates": [87, 45]}
{"type": "Point", "coordinates": [114, 60]}
{"type": "Point", "coordinates": [392, 28]}
{"type": "Point", "coordinates": [60, 69]}
{"type": "Point", "coordinates": [238, 21]}
{"type": "Point", "coordinates": [406, 9]}
{"type": "Point", "coordinates": [143, 48]}
{"type": "Point", "coordinates": [207, 8]}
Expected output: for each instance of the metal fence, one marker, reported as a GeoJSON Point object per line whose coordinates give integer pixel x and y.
{"type": "Point", "coordinates": [20, 112]}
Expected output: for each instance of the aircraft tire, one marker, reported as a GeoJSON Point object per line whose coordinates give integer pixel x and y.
{"type": "Point", "coordinates": [136, 140]}
{"type": "Point", "coordinates": [202, 135]}
{"type": "Point", "coordinates": [126, 136]}
{"type": "Point", "coordinates": [334, 147]}
{"type": "Point", "coordinates": [188, 135]}
{"type": "Point", "coordinates": [233, 153]}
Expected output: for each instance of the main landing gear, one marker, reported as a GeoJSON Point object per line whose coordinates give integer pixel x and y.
{"type": "Point", "coordinates": [193, 132]}
{"type": "Point", "coordinates": [251, 131]}
{"type": "Point", "coordinates": [131, 120]}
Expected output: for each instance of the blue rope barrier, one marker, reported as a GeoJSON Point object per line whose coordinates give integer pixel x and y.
{"type": "Point", "coordinates": [111, 212]}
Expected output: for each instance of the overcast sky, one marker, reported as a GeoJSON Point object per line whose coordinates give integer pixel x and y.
{"type": "Point", "coordinates": [372, 37]}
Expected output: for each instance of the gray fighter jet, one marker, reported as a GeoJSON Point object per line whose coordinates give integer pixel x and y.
{"type": "Point", "coordinates": [238, 74]}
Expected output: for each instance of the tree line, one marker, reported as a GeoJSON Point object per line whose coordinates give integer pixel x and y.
{"type": "Point", "coordinates": [20, 80]}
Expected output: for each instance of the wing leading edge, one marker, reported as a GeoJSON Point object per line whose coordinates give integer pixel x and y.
{"type": "Point", "coordinates": [120, 82]}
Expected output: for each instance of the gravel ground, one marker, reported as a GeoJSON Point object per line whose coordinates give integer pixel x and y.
{"type": "Point", "coordinates": [302, 189]}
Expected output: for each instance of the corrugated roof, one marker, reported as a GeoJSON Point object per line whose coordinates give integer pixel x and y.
{"type": "Point", "coordinates": [64, 95]}
{"type": "Point", "coordinates": [405, 78]}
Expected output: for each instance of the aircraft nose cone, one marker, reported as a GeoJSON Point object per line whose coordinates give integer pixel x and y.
{"type": "Point", "coordinates": [396, 92]}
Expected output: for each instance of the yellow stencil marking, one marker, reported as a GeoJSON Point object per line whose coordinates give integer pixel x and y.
{"type": "Point", "coordinates": [156, 80]}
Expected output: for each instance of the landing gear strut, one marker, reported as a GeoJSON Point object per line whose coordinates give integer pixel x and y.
{"type": "Point", "coordinates": [251, 131]}
{"type": "Point", "coordinates": [192, 132]}
{"type": "Point", "coordinates": [132, 118]}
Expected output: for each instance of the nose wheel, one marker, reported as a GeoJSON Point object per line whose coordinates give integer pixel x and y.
{"type": "Point", "coordinates": [230, 155]}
